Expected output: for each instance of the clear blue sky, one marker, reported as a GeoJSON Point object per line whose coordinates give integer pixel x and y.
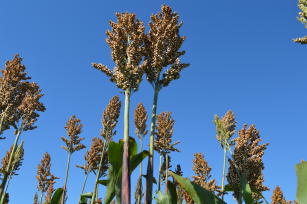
{"type": "Point", "coordinates": [242, 58]}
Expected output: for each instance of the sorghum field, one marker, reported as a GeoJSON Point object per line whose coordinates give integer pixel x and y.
{"type": "Point", "coordinates": [153, 102]}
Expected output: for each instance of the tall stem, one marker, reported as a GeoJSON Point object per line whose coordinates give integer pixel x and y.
{"type": "Point", "coordinates": [99, 170]}
{"type": "Point", "coordinates": [8, 169]}
{"type": "Point", "coordinates": [139, 199]}
{"type": "Point", "coordinates": [166, 172]}
{"type": "Point", "coordinates": [224, 170]}
{"type": "Point", "coordinates": [126, 190]}
{"type": "Point", "coordinates": [7, 185]}
{"type": "Point", "coordinates": [84, 183]}
{"type": "Point", "coordinates": [149, 178]}
{"type": "Point", "coordinates": [160, 171]}
{"type": "Point", "coordinates": [66, 177]}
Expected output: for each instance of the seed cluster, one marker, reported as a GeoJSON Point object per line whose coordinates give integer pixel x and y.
{"type": "Point", "coordinates": [302, 5]}
{"type": "Point", "coordinates": [225, 127]}
{"type": "Point", "coordinates": [110, 118]}
{"type": "Point", "coordinates": [278, 197]}
{"type": "Point", "coordinates": [44, 176]}
{"type": "Point", "coordinates": [165, 128]}
{"type": "Point", "coordinates": [19, 99]}
{"type": "Point", "coordinates": [126, 40]}
{"type": "Point", "coordinates": [162, 47]}
{"type": "Point", "coordinates": [17, 160]}
{"type": "Point", "coordinates": [140, 119]}
{"type": "Point", "coordinates": [73, 129]}
{"type": "Point", "coordinates": [247, 158]}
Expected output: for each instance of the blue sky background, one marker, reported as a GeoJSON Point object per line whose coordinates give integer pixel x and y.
{"type": "Point", "coordinates": [242, 58]}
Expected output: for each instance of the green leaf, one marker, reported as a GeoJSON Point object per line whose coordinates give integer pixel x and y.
{"type": "Point", "coordinates": [198, 194]}
{"type": "Point", "coordinates": [246, 191]}
{"type": "Point", "coordinates": [301, 173]}
{"type": "Point", "coordinates": [172, 192]}
{"type": "Point", "coordinates": [115, 169]}
{"type": "Point", "coordinates": [103, 182]}
{"type": "Point", "coordinates": [115, 154]}
{"type": "Point", "coordinates": [86, 195]}
{"type": "Point", "coordinates": [57, 195]}
{"type": "Point", "coordinates": [162, 198]}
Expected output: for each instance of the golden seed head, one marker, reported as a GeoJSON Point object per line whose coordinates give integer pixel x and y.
{"type": "Point", "coordinates": [202, 173]}
{"type": "Point", "coordinates": [110, 118]}
{"type": "Point", "coordinates": [50, 191]}
{"type": "Point", "coordinates": [302, 17]}
{"type": "Point", "coordinates": [19, 99]}
{"type": "Point", "coordinates": [162, 47]}
{"type": "Point", "coordinates": [16, 162]}
{"type": "Point", "coordinates": [165, 128]}
{"type": "Point", "coordinates": [126, 40]}
{"type": "Point", "coordinates": [73, 129]}
{"type": "Point", "coordinates": [225, 127]}
{"type": "Point", "coordinates": [278, 197]}
{"type": "Point", "coordinates": [44, 176]}
{"type": "Point", "coordinates": [140, 119]}
{"type": "Point", "coordinates": [247, 157]}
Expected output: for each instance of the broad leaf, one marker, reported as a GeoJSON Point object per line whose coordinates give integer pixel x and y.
{"type": "Point", "coordinates": [57, 195]}
{"type": "Point", "coordinates": [301, 191]}
{"type": "Point", "coordinates": [198, 194]}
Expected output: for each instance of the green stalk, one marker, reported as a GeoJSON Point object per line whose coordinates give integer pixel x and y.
{"type": "Point", "coordinates": [224, 169]}
{"type": "Point", "coordinates": [149, 178]}
{"type": "Point", "coordinates": [160, 171]}
{"type": "Point", "coordinates": [84, 183]}
{"type": "Point", "coordinates": [139, 201]}
{"type": "Point", "coordinates": [98, 173]}
{"type": "Point", "coordinates": [126, 186]}
{"type": "Point", "coordinates": [66, 178]}
{"type": "Point", "coordinates": [6, 174]}
{"type": "Point", "coordinates": [166, 172]}
{"type": "Point", "coordinates": [7, 185]}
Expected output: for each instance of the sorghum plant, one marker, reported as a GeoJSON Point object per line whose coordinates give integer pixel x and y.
{"type": "Point", "coordinates": [163, 43]}
{"type": "Point", "coordinates": [140, 119]}
{"type": "Point", "coordinates": [73, 129]}
{"type": "Point", "coordinates": [163, 141]}
{"type": "Point", "coordinates": [44, 177]}
{"type": "Point", "coordinates": [109, 122]}
{"type": "Point", "coordinates": [225, 129]}
{"type": "Point", "coordinates": [247, 160]}
{"type": "Point", "coordinates": [25, 111]}
{"type": "Point", "coordinates": [126, 40]}
{"type": "Point", "coordinates": [302, 5]}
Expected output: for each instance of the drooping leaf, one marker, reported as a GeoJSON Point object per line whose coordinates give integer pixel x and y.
{"type": "Point", "coordinates": [301, 191]}
{"type": "Point", "coordinates": [246, 191]}
{"type": "Point", "coordinates": [198, 194]}
{"type": "Point", "coordinates": [115, 154]}
{"type": "Point", "coordinates": [57, 195]}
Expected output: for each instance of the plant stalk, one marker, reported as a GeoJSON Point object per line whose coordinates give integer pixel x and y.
{"type": "Point", "coordinates": [84, 183]}
{"type": "Point", "coordinates": [166, 172]}
{"type": "Point", "coordinates": [139, 199]}
{"type": "Point", "coordinates": [66, 178]}
{"type": "Point", "coordinates": [126, 186]}
{"type": "Point", "coordinates": [224, 169]}
{"type": "Point", "coordinates": [160, 171]}
{"type": "Point", "coordinates": [7, 173]}
{"type": "Point", "coordinates": [149, 178]}
{"type": "Point", "coordinates": [99, 170]}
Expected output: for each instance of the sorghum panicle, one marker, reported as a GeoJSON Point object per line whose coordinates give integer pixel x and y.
{"type": "Point", "coordinates": [126, 40]}
{"type": "Point", "coordinates": [17, 160]}
{"type": "Point", "coordinates": [73, 129]}
{"type": "Point", "coordinates": [165, 129]}
{"type": "Point", "coordinates": [278, 197]}
{"type": "Point", "coordinates": [110, 118]}
{"type": "Point", "coordinates": [140, 119]}
{"type": "Point", "coordinates": [247, 157]}
{"type": "Point", "coordinates": [162, 47]}
{"type": "Point", "coordinates": [302, 5]}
